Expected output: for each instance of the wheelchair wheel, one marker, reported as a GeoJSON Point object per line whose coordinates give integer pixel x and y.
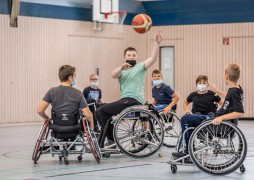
{"type": "Point", "coordinates": [217, 149]}
{"type": "Point", "coordinates": [92, 141]}
{"type": "Point", "coordinates": [40, 142]}
{"type": "Point", "coordinates": [172, 128]}
{"type": "Point", "coordinates": [138, 133]}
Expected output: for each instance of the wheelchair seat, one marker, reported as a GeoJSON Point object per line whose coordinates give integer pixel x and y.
{"type": "Point", "coordinates": [65, 125]}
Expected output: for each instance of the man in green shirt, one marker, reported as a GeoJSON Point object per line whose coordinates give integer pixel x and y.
{"type": "Point", "coordinates": [131, 77]}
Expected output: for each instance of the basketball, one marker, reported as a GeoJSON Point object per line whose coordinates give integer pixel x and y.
{"type": "Point", "coordinates": [141, 23]}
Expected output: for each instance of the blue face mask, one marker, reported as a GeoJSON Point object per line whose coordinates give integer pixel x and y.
{"type": "Point", "coordinates": [74, 82]}
{"type": "Point", "coordinates": [157, 82]}
{"type": "Point", "coordinates": [95, 84]}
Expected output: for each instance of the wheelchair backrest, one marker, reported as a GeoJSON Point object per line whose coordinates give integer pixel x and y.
{"type": "Point", "coordinates": [62, 119]}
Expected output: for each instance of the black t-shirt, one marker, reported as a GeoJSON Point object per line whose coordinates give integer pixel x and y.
{"type": "Point", "coordinates": [91, 93]}
{"type": "Point", "coordinates": [203, 103]}
{"type": "Point", "coordinates": [233, 102]}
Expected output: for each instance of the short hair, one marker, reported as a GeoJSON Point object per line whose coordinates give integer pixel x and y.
{"type": "Point", "coordinates": [233, 72]}
{"type": "Point", "coordinates": [156, 71]}
{"type": "Point", "coordinates": [93, 75]}
{"type": "Point", "coordinates": [129, 49]}
{"type": "Point", "coordinates": [65, 72]}
{"type": "Point", "coordinates": [201, 77]}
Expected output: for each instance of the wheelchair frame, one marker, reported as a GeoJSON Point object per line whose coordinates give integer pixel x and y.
{"type": "Point", "coordinates": [46, 145]}
{"type": "Point", "coordinates": [210, 144]}
{"type": "Point", "coordinates": [169, 122]}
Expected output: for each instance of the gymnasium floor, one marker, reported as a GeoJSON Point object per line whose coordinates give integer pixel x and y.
{"type": "Point", "coordinates": [17, 143]}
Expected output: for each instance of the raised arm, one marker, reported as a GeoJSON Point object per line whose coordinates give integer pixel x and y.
{"type": "Point", "coordinates": [217, 90]}
{"type": "Point", "coordinates": [155, 52]}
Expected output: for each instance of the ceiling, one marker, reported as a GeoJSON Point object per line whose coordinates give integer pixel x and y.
{"type": "Point", "coordinates": [163, 12]}
{"type": "Point", "coordinates": [70, 3]}
{"type": "Point", "coordinates": [75, 3]}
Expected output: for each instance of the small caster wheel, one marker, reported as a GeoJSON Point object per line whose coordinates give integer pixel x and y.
{"type": "Point", "coordinates": [66, 162]}
{"type": "Point", "coordinates": [160, 154]}
{"type": "Point", "coordinates": [242, 168]}
{"type": "Point", "coordinates": [106, 155]}
{"type": "Point", "coordinates": [173, 169]}
{"type": "Point", "coordinates": [79, 158]}
{"type": "Point", "coordinates": [60, 158]}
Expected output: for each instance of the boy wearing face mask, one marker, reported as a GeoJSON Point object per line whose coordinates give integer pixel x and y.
{"type": "Point", "coordinates": [93, 92]}
{"type": "Point", "coordinates": [163, 96]}
{"type": "Point", "coordinates": [65, 98]}
{"type": "Point", "coordinates": [231, 109]}
{"type": "Point", "coordinates": [203, 99]}
{"type": "Point", "coordinates": [131, 76]}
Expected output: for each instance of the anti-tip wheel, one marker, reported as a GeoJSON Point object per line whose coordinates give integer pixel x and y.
{"type": "Point", "coordinates": [242, 168]}
{"type": "Point", "coordinates": [173, 169]}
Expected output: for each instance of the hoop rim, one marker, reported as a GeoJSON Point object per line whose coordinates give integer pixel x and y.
{"type": "Point", "coordinates": [116, 12]}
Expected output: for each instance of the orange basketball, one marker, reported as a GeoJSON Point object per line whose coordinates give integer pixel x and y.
{"type": "Point", "coordinates": [141, 23]}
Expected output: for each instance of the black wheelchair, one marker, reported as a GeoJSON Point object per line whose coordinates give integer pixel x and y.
{"type": "Point", "coordinates": [72, 137]}
{"type": "Point", "coordinates": [138, 132]}
{"type": "Point", "coordinates": [215, 149]}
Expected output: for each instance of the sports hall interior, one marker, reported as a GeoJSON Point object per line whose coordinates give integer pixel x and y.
{"type": "Point", "coordinates": [205, 36]}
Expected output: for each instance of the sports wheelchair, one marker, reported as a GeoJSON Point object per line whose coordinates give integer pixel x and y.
{"type": "Point", "coordinates": [215, 149]}
{"type": "Point", "coordinates": [65, 140]}
{"type": "Point", "coordinates": [138, 132]}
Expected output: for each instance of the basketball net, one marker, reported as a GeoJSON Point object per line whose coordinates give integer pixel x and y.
{"type": "Point", "coordinates": [118, 20]}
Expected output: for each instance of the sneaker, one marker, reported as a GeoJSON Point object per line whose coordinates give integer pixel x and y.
{"type": "Point", "coordinates": [188, 160]}
{"type": "Point", "coordinates": [178, 154]}
{"type": "Point", "coordinates": [109, 143]}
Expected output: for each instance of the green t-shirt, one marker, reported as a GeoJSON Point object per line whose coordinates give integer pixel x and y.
{"type": "Point", "coordinates": [132, 82]}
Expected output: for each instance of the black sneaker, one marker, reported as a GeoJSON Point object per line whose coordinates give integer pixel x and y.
{"type": "Point", "coordinates": [178, 154]}
{"type": "Point", "coordinates": [188, 160]}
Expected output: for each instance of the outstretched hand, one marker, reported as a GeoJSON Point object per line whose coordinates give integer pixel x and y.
{"type": "Point", "coordinates": [158, 37]}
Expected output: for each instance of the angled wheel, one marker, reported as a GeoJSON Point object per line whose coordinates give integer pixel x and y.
{"type": "Point", "coordinates": [172, 128]}
{"type": "Point", "coordinates": [40, 142]}
{"type": "Point", "coordinates": [138, 133]}
{"type": "Point", "coordinates": [217, 149]}
{"type": "Point", "coordinates": [92, 141]}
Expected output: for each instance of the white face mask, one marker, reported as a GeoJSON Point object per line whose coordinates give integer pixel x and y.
{"type": "Point", "coordinates": [157, 82]}
{"type": "Point", "coordinates": [94, 84]}
{"type": "Point", "coordinates": [202, 87]}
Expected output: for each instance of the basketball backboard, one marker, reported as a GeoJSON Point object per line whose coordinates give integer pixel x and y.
{"type": "Point", "coordinates": [102, 7]}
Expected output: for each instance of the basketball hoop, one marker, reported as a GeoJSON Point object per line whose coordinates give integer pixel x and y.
{"type": "Point", "coordinates": [118, 18]}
